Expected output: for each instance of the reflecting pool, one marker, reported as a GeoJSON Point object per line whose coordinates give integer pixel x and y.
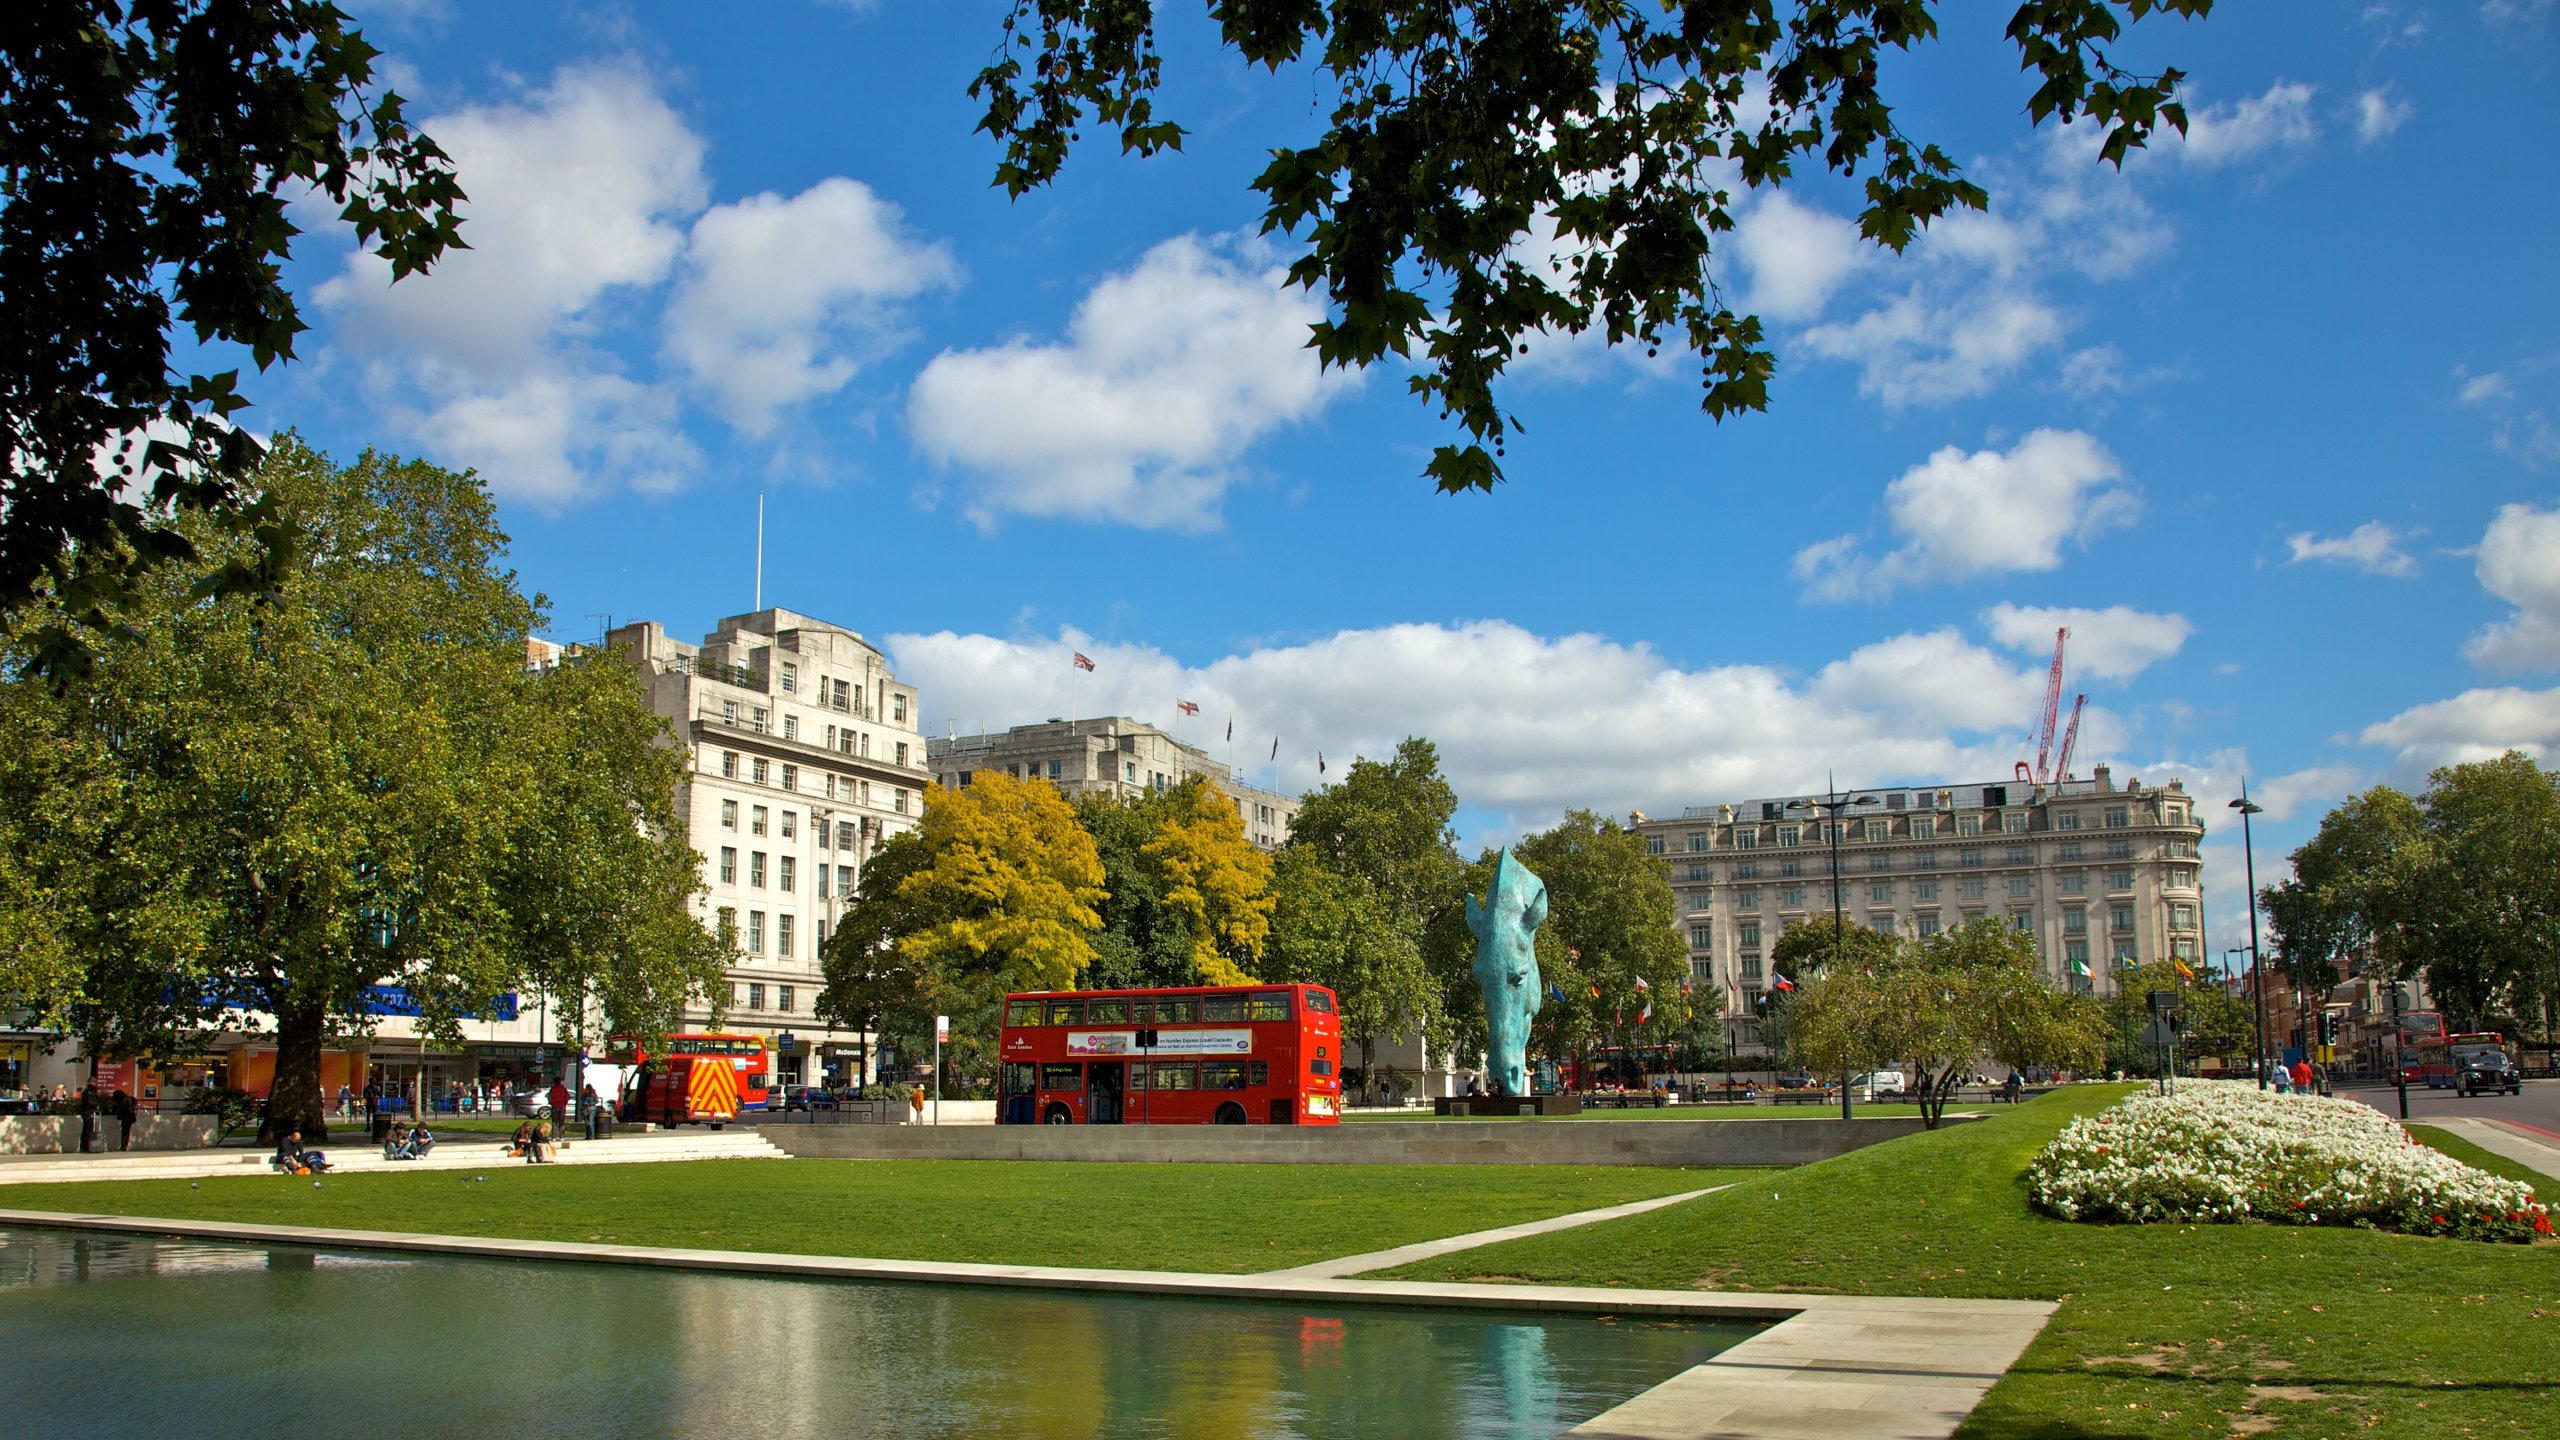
{"type": "Point", "coordinates": [110, 1336]}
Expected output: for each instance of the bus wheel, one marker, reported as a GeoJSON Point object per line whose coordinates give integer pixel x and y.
{"type": "Point", "coordinates": [1057, 1116]}
{"type": "Point", "coordinates": [1230, 1115]}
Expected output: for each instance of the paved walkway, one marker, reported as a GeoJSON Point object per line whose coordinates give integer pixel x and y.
{"type": "Point", "coordinates": [1433, 1249]}
{"type": "Point", "coordinates": [357, 1155]}
{"type": "Point", "coordinates": [2530, 1146]}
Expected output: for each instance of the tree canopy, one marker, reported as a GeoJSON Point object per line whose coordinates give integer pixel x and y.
{"type": "Point", "coordinates": [273, 805]}
{"type": "Point", "coordinates": [148, 153]}
{"type": "Point", "coordinates": [1008, 885]}
{"type": "Point", "coordinates": [1492, 176]}
{"type": "Point", "coordinates": [1609, 927]}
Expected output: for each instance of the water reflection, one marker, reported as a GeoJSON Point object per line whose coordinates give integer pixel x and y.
{"type": "Point", "coordinates": [319, 1343]}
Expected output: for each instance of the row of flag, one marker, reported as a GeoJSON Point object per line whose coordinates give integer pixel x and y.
{"type": "Point", "coordinates": [1084, 662]}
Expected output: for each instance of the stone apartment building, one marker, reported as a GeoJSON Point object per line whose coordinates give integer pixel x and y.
{"type": "Point", "coordinates": [1112, 754]}
{"type": "Point", "coordinates": [804, 758]}
{"type": "Point", "coordinates": [2103, 876]}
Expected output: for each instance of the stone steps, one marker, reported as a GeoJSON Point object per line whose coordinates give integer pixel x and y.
{"type": "Point", "coordinates": [362, 1156]}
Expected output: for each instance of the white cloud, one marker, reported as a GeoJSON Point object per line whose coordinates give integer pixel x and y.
{"type": "Point", "coordinates": [2378, 113]}
{"type": "Point", "coordinates": [2518, 19]}
{"type": "Point", "coordinates": [1529, 725]}
{"type": "Point", "coordinates": [1961, 515]}
{"type": "Point", "coordinates": [2116, 643]}
{"type": "Point", "coordinates": [779, 297]}
{"type": "Point", "coordinates": [1796, 256]}
{"type": "Point", "coordinates": [2297, 793]}
{"type": "Point", "coordinates": [2481, 389]}
{"type": "Point", "coordinates": [1912, 351]}
{"type": "Point", "coordinates": [2519, 403]}
{"type": "Point", "coordinates": [2226, 134]}
{"type": "Point", "coordinates": [2520, 564]}
{"type": "Point", "coordinates": [1169, 371]}
{"type": "Point", "coordinates": [2474, 725]}
{"type": "Point", "coordinates": [2371, 547]}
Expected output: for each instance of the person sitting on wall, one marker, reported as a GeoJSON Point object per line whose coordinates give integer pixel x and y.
{"type": "Point", "coordinates": [538, 1143]}
{"type": "Point", "coordinates": [521, 1143]}
{"type": "Point", "coordinates": [395, 1142]}
{"type": "Point", "coordinates": [421, 1140]}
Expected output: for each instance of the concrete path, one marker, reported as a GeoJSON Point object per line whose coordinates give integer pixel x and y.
{"type": "Point", "coordinates": [1840, 1367]}
{"type": "Point", "coordinates": [1432, 1249]}
{"type": "Point", "coordinates": [360, 1156]}
{"type": "Point", "coordinates": [2533, 1148]}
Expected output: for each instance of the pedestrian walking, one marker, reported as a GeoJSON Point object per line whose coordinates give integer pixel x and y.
{"type": "Point", "coordinates": [88, 1118]}
{"type": "Point", "coordinates": [2302, 1076]}
{"type": "Point", "coordinates": [346, 1101]}
{"type": "Point", "coordinates": [2281, 1077]}
{"type": "Point", "coordinates": [372, 1097]}
{"type": "Point", "coordinates": [559, 1100]}
{"type": "Point", "coordinates": [125, 1115]}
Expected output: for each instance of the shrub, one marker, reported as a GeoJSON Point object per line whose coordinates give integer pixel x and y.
{"type": "Point", "coordinates": [2222, 1151]}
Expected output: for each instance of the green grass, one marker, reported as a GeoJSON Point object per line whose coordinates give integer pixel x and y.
{"type": "Point", "coordinates": [1226, 1218]}
{"type": "Point", "coordinates": [2164, 1330]}
{"type": "Point", "coordinates": [1880, 1110]}
{"type": "Point", "coordinates": [2438, 1138]}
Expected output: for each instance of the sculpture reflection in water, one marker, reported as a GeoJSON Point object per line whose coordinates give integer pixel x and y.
{"type": "Point", "coordinates": [1506, 928]}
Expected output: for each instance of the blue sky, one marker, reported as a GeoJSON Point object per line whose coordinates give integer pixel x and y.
{"type": "Point", "coordinates": [2271, 419]}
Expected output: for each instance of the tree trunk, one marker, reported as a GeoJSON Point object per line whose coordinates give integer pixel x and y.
{"type": "Point", "coordinates": [294, 1102]}
{"type": "Point", "coordinates": [1369, 1066]}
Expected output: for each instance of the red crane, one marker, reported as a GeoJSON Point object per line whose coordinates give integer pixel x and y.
{"type": "Point", "coordinates": [2038, 775]}
{"type": "Point", "coordinates": [2062, 761]}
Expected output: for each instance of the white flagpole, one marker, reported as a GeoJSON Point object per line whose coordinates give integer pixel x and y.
{"type": "Point", "coordinates": [759, 551]}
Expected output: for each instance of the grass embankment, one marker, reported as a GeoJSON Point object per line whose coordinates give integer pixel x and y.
{"type": "Point", "coordinates": [1830, 1111]}
{"type": "Point", "coordinates": [2437, 1137]}
{"type": "Point", "coordinates": [1225, 1218]}
{"type": "Point", "coordinates": [2168, 1330]}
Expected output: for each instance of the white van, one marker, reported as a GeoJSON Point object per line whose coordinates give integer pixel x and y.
{"type": "Point", "coordinates": [1877, 1084]}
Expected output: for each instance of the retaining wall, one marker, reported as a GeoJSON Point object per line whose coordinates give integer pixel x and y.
{"type": "Point", "coordinates": [60, 1134]}
{"type": "Point", "coordinates": [1409, 1142]}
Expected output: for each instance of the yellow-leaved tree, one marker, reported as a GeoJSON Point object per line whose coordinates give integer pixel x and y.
{"type": "Point", "coordinates": [1214, 879]}
{"type": "Point", "coordinates": [1010, 890]}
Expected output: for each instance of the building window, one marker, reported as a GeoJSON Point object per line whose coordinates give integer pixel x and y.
{"type": "Point", "coordinates": [1746, 837]}
{"type": "Point", "coordinates": [821, 878]}
{"type": "Point", "coordinates": [2118, 817]}
{"type": "Point", "coordinates": [1790, 868]}
{"type": "Point", "coordinates": [1750, 967]}
{"type": "Point", "coordinates": [2119, 849]}
{"type": "Point", "coordinates": [822, 937]}
{"type": "Point", "coordinates": [1699, 938]}
{"type": "Point", "coordinates": [1969, 859]}
{"type": "Point", "coordinates": [1881, 894]}
{"type": "Point", "coordinates": [729, 764]}
{"type": "Point", "coordinates": [1970, 887]}
{"type": "Point", "coordinates": [1056, 768]}
{"type": "Point", "coordinates": [2124, 951]}
{"type": "Point", "coordinates": [900, 804]}
{"type": "Point", "coordinates": [761, 771]}
{"type": "Point", "coordinates": [2014, 823]}
{"type": "Point", "coordinates": [2066, 820]}
{"type": "Point", "coordinates": [1928, 925]}
{"type": "Point", "coordinates": [1129, 772]}
{"type": "Point", "coordinates": [1747, 899]}
{"type": "Point", "coordinates": [2019, 855]}
{"type": "Point", "coordinates": [755, 944]}
{"type": "Point", "coordinates": [1879, 862]}
{"type": "Point", "coordinates": [790, 678]}
{"type": "Point", "coordinates": [728, 864]}
{"type": "Point", "coordinates": [1747, 932]}
{"type": "Point", "coordinates": [728, 814]}
{"type": "Point", "coordinates": [844, 834]}
{"type": "Point", "coordinates": [1653, 844]}
{"type": "Point", "coordinates": [1697, 842]}
{"type": "Point", "coordinates": [1790, 835]}
{"type": "Point", "coordinates": [782, 996]}
{"type": "Point", "coordinates": [1703, 970]}
{"type": "Point", "coordinates": [755, 993]}
{"type": "Point", "coordinates": [1746, 871]}
{"type": "Point", "coordinates": [790, 777]}
{"type": "Point", "coordinates": [2177, 815]}
{"type": "Point", "coordinates": [1924, 827]}
{"type": "Point", "coordinates": [2070, 850]}
{"type": "Point", "coordinates": [844, 881]}
{"type": "Point", "coordinates": [898, 709]}
{"type": "Point", "coordinates": [2119, 879]}
{"type": "Point", "coordinates": [1924, 889]}
{"type": "Point", "coordinates": [756, 820]}
{"type": "Point", "coordinates": [2075, 882]}
{"type": "Point", "coordinates": [2022, 885]}
{"type": "Point", "coordinates": [784, 875]}
{"type": "Point", "coordinates": [1968, 825]}
{"type": "Point", "coordinates": [755, 868]}
{"type": "Point", "coordinates": [2023, 921]}
{"type": "Point", "coordinates": [757, 719]}
{"type": "Point", "coordinates": [1700, 872]}
{"type": "Point", "coordinates": [1791, 897]}
{"type": "Point", "coordinates": [729, 712]}
{"type": "Point", "coordinates": [790, 824]}
{"type": "Point", "coordinates": [902, 752]}
{"type": "Point", "coordinates": [782, 937]}
{"type": "Point", "coordinates": [790, 730]}
{"type": "Point", "coordinates": [2182, 917]}
{"type": "Point", "coordinates": [866, 794]}
{"type": "Point", "coordinates": [2122, 916]}
{"type": "Point", "coordinates": [1925, 860]}
{"type": "Point", "coordinates": [2075, 922]}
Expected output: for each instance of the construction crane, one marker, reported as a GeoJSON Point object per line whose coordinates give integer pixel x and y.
{"type": "Point", "coordinates": [2038, 774]}
{"type": "Point", "coordinates": [2062, 760]}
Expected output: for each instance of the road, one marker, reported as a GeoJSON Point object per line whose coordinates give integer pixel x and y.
{"type": "Point", "coordinates": [2538, 1106]}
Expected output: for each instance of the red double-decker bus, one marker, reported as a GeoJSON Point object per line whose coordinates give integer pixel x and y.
{"type": "Point", "coordinates": [1209, 1055]}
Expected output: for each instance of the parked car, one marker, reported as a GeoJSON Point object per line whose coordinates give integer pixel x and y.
{"type": "Point", "coordinates": [2490, 1073]}
{"type": "Point", "coordinates": [807, 1097]}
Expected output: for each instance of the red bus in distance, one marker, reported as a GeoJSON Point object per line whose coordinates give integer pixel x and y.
{"type": "Point", "coordinates": [1223, 1055]}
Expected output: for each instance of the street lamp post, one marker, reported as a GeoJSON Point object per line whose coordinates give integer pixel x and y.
{"type": "Point", "coordinates": [2257, 963]}
{"type": "Point", "coordinates": [1829, 807]}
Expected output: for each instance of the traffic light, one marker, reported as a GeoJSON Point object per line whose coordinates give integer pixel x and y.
{"type": "Point", "coordinates": [2328, 1028]}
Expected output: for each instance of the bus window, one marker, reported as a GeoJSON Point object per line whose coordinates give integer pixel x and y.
{"type": "Point", "coordinates": [1221, 1074]}
{"type": "Point", "coordinates": [1267, 1005]}
{"type": "Point", "coordinates": [1017, 1078]}
{"type": "Point", "coordinates": [1261, 1072]}
{"type": "Point", "coordinates": [1022, 1012]}
{"type": "Point", "coordinates": [1319, 1002]}
{"type": "Point", "coordinates": [1175, 1075]}
{"type": "Point", "coordinates": [1175, 1011]}
{"type": "Point", "coordinates": [1066, 1012]}
{"type": "Point", "coordinates": [1062, 1077]}
{"type": "Point", "coordinates": [1222, 1007]}
{"type": "Point", "coordinates": [1106, 1012]}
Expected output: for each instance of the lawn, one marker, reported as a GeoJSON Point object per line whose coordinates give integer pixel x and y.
{"type": "Point", "coordinates": [1830, 1111]}
{"type": "Point", "coordinates": [2163, 1331]}
{"type": "Point", "coordinates": [1227, 1218]}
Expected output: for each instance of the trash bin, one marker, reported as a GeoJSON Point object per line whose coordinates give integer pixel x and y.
{"type": "Point", "coordinates": [600, 1123]}
{"type": "Point", "coordinates": [381, 1125]}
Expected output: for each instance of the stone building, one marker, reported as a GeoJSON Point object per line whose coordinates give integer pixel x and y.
{"type": "Point", "coordinates": [805, 758]}
{"type": "Point", "coordinates": [1112, 755]}
{"type": "Point", "coordinates": [2102, 876]}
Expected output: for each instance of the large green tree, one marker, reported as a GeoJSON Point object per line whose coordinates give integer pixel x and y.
{"type": "Point", "coordinates": [352, 780]}
{"type": "Point", "coordinates": [1385, 825]}
{"type": "Point", "coordinates": [149, 151]}
{"type": "Point", "coordinates": [1493, 175]}
{"type": "Point", "coordinates": [1334, 930]}
{"type": "Point", "coordinates": [1609, 925]}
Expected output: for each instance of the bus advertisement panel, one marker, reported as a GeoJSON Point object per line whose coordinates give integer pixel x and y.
{"type": "Point", "coordinates": [1206, 1055]}
{"type": "Point", "coordinates": [744, 1056]}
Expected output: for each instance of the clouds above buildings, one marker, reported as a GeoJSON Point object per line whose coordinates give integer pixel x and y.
{"type": "Point", "coordinates": [1141, 414]}
{"type": "Point", "coordinates": [2520, 564]}
{"type": "Point", "coordinates": [1962, 514]}
{"type": "Point", "coordinates": [2116, 643]}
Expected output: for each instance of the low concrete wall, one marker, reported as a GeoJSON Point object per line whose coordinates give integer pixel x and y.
{"type": "Point", "coordinates": [60, 1134]}
{"type": "Point", "coordinates": [1416, 1142]}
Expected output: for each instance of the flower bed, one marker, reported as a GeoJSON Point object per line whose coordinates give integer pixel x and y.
{"type": "Point", "coordinates": [2223, 1151]}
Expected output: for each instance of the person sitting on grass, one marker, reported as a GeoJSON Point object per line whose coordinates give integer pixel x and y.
{"type": "Point", "coordinates": [292, 1159]}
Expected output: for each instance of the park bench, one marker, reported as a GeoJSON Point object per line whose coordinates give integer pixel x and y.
{"type": "Point", "coordinates": [1801, 1097]}
{"type": "Point", "coordinates": [1623, 1100]}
